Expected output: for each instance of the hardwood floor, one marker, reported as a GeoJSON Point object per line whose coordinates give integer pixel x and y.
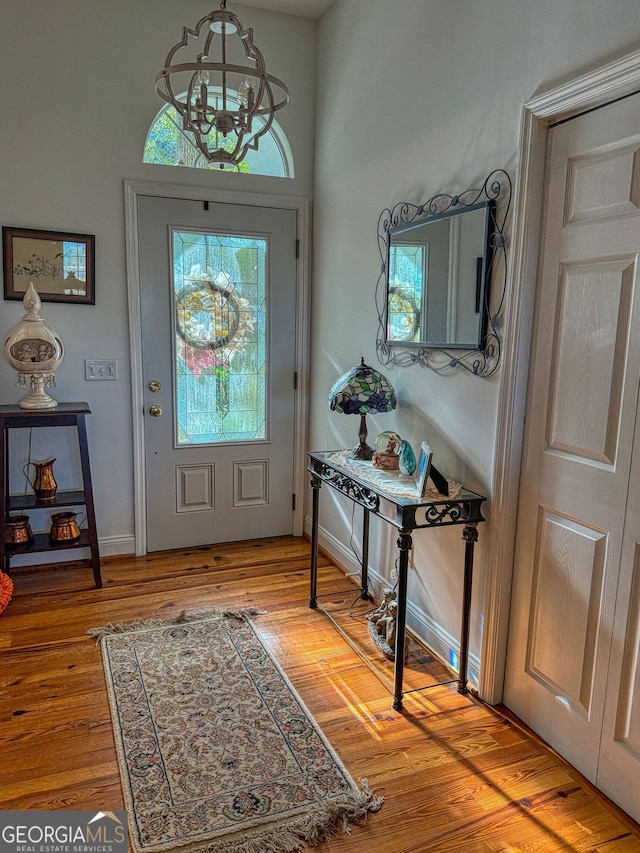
{"type": "Point", "coordinates": [456, 775]}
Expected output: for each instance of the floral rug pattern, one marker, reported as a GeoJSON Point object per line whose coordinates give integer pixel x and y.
{"type": "Point", "coordinates": [216, 750]}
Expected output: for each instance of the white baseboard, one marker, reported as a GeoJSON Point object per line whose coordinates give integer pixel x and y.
{"type": "Point", "coordinates": [115, 546]}
{"type": "Point", "coordinates": [442, 644]}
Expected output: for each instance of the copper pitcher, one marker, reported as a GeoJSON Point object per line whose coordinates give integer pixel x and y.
{"type": "Point", "coordinates": [44, 485]}
{"type": "Point", "coordinates": [64, 527]}
{"type": "Point", "coordinates": [17, 530]}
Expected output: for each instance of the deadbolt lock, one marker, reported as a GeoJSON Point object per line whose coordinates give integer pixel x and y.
{"type": "Point", "coordinates": [155, 411]}
{"type": "Point", "coordinates": [154, 385]}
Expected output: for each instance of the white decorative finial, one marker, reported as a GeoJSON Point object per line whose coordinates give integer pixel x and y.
{"type": "Point", "coordinates": [32, 303]}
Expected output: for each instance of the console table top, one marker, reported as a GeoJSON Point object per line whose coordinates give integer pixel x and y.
{"type": "Point", "coordinates": [376, 490]}
{"type": "Point", "coordinates": [390, 484]}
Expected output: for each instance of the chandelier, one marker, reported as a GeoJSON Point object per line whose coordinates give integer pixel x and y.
{"type": "Point", "coordinates": [217, 81]}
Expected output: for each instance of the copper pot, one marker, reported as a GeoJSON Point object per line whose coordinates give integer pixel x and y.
{"type": "Point", "coordinates": [17, 530]}
{"type": "Point", "coordinates": [44, 485]}
{"type": "Point", "coordinates": [64, 527]}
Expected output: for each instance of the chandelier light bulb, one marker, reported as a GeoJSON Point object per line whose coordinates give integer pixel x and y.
{"type": "Point", "coordinates": [202, 78]}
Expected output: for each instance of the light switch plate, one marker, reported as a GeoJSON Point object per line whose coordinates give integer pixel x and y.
{"type": "Point", "coordinates": [100, 368]}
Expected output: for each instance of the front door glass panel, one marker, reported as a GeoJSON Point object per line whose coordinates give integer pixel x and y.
{"type": "Point", "coordinates": [220, 321]}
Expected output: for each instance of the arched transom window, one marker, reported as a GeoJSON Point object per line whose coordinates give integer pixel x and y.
{"type": "Point", "coordinates": [169, 145]}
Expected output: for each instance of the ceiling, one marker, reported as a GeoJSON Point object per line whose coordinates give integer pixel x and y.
{"type": "Point", "coordinates": [302, 8]}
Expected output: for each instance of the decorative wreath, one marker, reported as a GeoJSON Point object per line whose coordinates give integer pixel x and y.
{"type": "Point", "coordinates": [403, 305]}
{"type": "Point", "coordinates": [222, 307]}
{"type": "Point", "coordinates": [6, 590]}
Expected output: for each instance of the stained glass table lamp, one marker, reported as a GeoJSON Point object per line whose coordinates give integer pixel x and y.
{"type": "Point", "coordinates": [362, 391]}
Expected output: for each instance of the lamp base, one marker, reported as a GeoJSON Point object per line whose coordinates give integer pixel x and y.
{"type": "Point", "coordinates": [362, 452]}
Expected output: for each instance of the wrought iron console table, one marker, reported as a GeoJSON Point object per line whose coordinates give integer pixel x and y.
{"type": "Point", "coordinates": [384, 496]}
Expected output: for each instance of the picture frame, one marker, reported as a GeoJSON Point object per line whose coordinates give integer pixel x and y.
{"type": "Point", "coordinates": [60, 264]}
{"type": "Point", "coordinates": [423, 468]}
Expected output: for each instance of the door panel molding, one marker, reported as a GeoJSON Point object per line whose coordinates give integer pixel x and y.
{"type": "Point", "coordinates": [623, 173]}
{"type": "Point", "coordinates": [195, 487]}
{"type": "Point", "coordinates": [582, 420]}
{"type": "Point", "coordinates": [614, 80]}
{"type": "Point", "coordinates": [251, 482]}
{"type": "Point", "coordinates": [627, 726]}
{"type": "Point", "coordinates": [563, 662]}
{"type": "Point", "coordinates": [133, 190]}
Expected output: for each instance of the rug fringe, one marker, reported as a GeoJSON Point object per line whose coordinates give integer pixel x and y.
{"type": "Point", "coordinates": [244, 613]}
{"type": "Point", "coordinates": [313, 829]}
{"type": "Point", "coordinates": [352, 807]}
{"type": "Point", "coordinates": [180, 619]}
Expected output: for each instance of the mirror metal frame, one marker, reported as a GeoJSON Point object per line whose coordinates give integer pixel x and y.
{"type": "Point", "coordinates": [483, 360]}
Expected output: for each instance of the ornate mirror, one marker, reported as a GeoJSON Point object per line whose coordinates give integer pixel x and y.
{"type": "Point", "coordinates": [434, 291]}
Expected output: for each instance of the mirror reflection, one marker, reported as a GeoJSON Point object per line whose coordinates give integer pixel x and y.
{"type": "Point", "coordinates": [438, 279]}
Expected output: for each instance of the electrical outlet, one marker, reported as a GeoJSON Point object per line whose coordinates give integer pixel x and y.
{"type": "Point", "coordinates": [103, 368]}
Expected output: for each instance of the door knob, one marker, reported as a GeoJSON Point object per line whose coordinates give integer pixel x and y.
{"type": "Point", "coordinates": [154, 385]}
{"type": "Point", "coordinates": [155, 411]}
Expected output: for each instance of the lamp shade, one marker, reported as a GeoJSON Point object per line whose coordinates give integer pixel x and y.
{"type": "Point", "coordinates": [362, 391]}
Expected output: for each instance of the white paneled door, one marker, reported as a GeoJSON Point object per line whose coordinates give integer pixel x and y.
{"type": "Point", "coordinates": [217, 285]}
{"type": "Point", "coordinates": [573, 671]}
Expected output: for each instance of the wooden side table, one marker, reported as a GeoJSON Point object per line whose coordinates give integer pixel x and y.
{"type": "Point", "coordinates": [65, 414]}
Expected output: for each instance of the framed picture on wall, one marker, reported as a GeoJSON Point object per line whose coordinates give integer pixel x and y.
{"type": "Point", "coordinates": [60, 265]}
{"type": "Point", "coordinates": [424, 466]}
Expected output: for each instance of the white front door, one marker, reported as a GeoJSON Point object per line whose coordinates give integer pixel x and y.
{"type": "Point", "coordinates": [573, 648]}
{"type": "Point", "coordinates": [217, 290]}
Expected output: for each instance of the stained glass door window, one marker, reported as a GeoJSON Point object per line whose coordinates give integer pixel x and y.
{"type": "Point", "coordinates": [220, 322]}
{"type": "Point", "coordinates": [407, 275]}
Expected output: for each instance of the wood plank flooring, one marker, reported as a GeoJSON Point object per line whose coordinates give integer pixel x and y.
{"type": "Point", "coordinates": [456, 775]}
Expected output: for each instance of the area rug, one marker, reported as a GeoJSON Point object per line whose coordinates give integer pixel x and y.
{"type": "Point", "coordinates": [217, 752]}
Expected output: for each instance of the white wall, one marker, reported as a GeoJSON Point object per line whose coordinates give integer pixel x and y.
{"type": "Point", "coordinates": [76, 100]}
{"type": "Point", "coordinates": [416, 97]}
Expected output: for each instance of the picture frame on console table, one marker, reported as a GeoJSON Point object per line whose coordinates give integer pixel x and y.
{"type": "Point", "coordinates": [61, 265]}
{"type": "Point", "coordinates": [423, 469]}
{"type": "Point", "coordinates": [427, 469]}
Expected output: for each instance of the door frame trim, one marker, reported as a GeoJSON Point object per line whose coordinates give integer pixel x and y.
{"type": "Point", "coordinates": [589, 91]}
{"type": "Point", "coordinates": [302, 206]}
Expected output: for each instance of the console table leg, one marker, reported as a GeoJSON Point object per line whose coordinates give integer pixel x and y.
{"type": "Point", "coordinates": [405, 544]}
{"type": "Point", "coordinates": [316, 482]}
{"type": "Point", "coordinates": [470, 536]}
{"type": "Point", "coordinates": [88, 500]}
{"type": "Point", "coordinates": [364, 575]}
